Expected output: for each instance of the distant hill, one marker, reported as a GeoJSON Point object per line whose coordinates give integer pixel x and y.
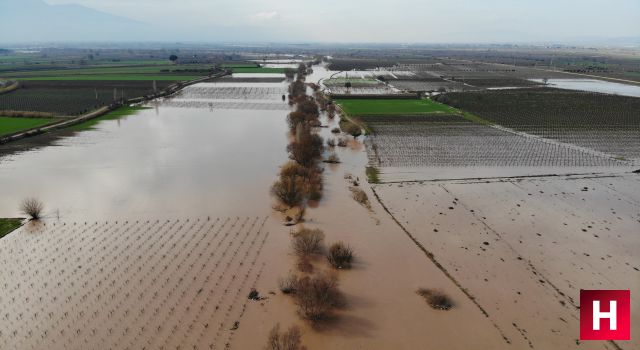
{"type": "Point", "coordinates": [35, 20]}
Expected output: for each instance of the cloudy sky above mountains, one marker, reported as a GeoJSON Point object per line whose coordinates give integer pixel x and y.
{"type": "Point", "coordinates": [425, 21]}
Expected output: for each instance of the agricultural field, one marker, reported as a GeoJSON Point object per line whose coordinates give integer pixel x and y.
{"type": "Point", "coordinates": [123, 285]}
{"type": "Point", "coordinates": [359, 107]}
{"type": "Point", "coordinates": [116, 114]}
{"type": "Point", "coordinates": [453, 141]}
{"type": "Point", "coordinates": [72, 97]}
{"type": "Point", "coordinates": [10, 125]}
{"type": "Point", "coordinates": [601, 122]}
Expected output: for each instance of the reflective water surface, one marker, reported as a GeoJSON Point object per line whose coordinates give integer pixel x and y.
{"type": "Point", "coordinates": [189, 155]}
{"type": "Point", "coordinates": [593, 85]}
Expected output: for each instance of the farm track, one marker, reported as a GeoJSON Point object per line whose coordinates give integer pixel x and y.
{"type": "Point", "coordinates": [128, 285]}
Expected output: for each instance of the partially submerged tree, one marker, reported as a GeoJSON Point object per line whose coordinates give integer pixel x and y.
{"type": "Point", "coordinates": [286, 340]}
{"type": "Point", "coordinates": [317, 296]}
{"type": "Point", "coordinates": [307, 241]}
{"type": "Point", "coordinates": [32, 207]}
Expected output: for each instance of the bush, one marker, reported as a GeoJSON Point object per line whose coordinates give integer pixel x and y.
{"type": "Point", "coordinates": [351, 128]}
{"type": "Point", "coordinates": [340, 255]}
{"type": "Point", "coordinates": [287, 340]}
{"type": "Point", "coordinates": [360, 196]}
{"type": "Point", "coordinates": [288, 284]}
{"type": "Point", "coordinates": [307, 241]}
{"type": "Point", "coordinates": [32, 207]}
{"type": "Point", "coordinates": [435, 298]}
{"type": "Point", "coordinates": [318, 296]}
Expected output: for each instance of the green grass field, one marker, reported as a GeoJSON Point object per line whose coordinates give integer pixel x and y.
{"type": "Point", "coordinates": [358, 107]}
{"type": "Point", "coordinates": [8, 225]}
{"type": "Point", "coordinates": [117, 114]}
{"type": "Point", "coordinates": [258, 70]}
{"type": "Point", "coordinates": [10, 125]}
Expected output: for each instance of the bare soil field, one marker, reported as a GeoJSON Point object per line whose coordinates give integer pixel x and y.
{"type": "Point", "coordinates": [524, 248]}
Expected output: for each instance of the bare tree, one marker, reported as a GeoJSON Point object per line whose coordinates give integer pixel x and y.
{"type": "Point", "coordinates": [287, 340]}
{"type": "Point", "coordinates": [32, 207]}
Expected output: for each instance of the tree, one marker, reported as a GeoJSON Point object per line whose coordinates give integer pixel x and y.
{"type": "Point", "coordinates": [173, 58]}
{"type": "Point", "coordinates": [32, 207]}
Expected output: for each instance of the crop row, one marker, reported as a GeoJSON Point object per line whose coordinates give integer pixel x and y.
{"type": "Point", "coordinates": [606, 123]}
{"type": "Point", "coordinates": [128, 285]}
{"type": "Point", "coordinates": [467, 144]}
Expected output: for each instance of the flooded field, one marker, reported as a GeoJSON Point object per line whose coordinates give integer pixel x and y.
{"type": "Point", "coordinates": [592, 85]}
{"type": "Point", "coordinates": [158, 226]}
{"type": "Point", "coordinates": [167, 161]}
{"type": "Point", "coordinates": [524, 248]}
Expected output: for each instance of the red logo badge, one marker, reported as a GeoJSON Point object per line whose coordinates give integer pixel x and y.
{"type": "Point", "coordinates": [605, 315]}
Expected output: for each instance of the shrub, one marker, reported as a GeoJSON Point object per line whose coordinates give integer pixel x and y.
{"type": "Point", "coordinates": [435, 298]}
{"type": "Point", "coordinates": [360, 196]}
{"type": "Point", "coordinates": [287, 340]}
{"type": "Point", "coordinates": [318, 296]}
{"type": "Point", "coordinates": [351, 128]}
{"type": "Point", "coordinates": [307, 241]}
{"type": "Point", "coordinates": [373, 174]}
{"type": "Point", "coordinates": [32, 207]}
{"type": "Point", "coordinates": [340, 255]}
{"type": "Point", "coordinates": [288, 284]}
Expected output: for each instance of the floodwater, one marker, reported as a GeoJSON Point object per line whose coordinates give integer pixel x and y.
{"type": "Point", "coordinates": [215, 148]}
{"type": "Point", "coordinates": [594, 85]}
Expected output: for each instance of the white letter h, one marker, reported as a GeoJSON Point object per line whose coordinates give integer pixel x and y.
{"type": "Point", "coordinates": [598, 315]}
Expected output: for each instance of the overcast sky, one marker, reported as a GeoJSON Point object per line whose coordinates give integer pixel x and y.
{"type": "Point", "coordinates": [425, 21]}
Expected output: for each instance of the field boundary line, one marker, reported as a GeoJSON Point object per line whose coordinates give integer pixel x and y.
{"type": "Point", "coordinates": [471, 180]}
{"type": "Point", "coordinates": [444, 270]}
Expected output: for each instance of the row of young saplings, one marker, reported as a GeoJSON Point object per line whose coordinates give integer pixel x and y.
{"type": "Point", "coordinates": [316, 295]}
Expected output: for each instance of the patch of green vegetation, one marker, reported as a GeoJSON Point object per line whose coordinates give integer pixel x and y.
{"type": "Point", "coordinates": [8, 225]}
{"type": "Point", "coordinates": [258, 70]}
{"type": "Point", "coordinates": [474, 118]}
{"type": "Point", "coordinates": [10, 125]}
{"type": "Point", "coordinates": [354, 107]}
{"type": "Point", "coordinates": [116, 114]}
{"type": "Point", "coordinates": [373, 174]}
